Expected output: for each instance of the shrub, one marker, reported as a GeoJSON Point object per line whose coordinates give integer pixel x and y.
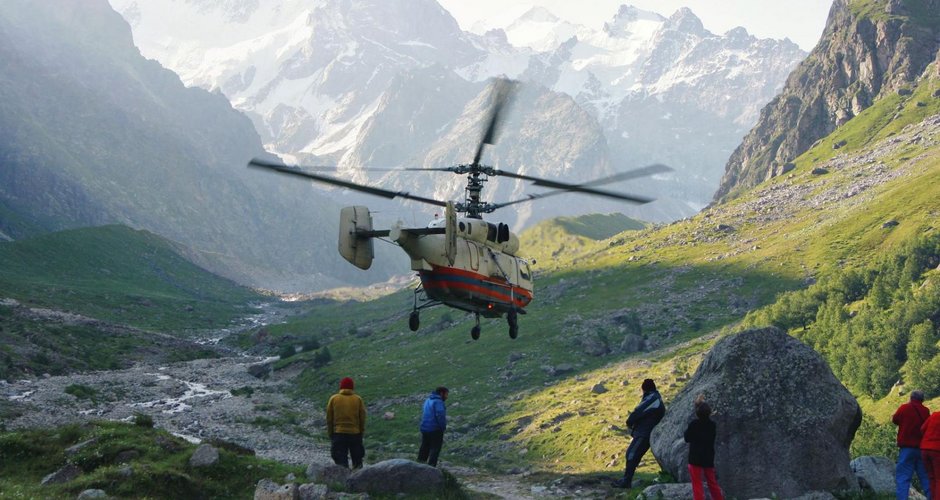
{"type": "Point", "coordinates": [143, 420]}
{"type": "Point", "coordinates": [81, 391]}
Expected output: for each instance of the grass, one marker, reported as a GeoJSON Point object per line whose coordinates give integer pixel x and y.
{"type": "Point", "coordinates": [920, 12]}
{"type": "Point", "coordinates": [158, 464]}
{"type": "Point", "coordinates": [120, 275]}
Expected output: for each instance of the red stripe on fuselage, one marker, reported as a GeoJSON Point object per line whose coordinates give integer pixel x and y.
{"type": "Point", "coordinates": [475, 282]}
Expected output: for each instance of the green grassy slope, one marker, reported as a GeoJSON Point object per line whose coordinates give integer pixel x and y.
{"type": "Point", "coordinates": [117, 274]}
{"type": "Point", "coordinates": [548, 239]}
{"type": "Point", "coordinates": [531, 398]}
{"type": "Point", "coordinates": [104, 298]}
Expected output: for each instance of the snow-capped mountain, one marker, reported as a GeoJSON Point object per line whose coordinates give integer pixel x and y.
{"type": "Point", "coordinates": [398, 83]}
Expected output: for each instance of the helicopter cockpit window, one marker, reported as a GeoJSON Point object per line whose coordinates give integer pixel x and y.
{"type": "Point", "coordinates": [491, 232]}
{"type": "Point", "coordinates": [503, 233]}
{"type": "Point", "coordinates": [462, 227]}
{"type": "Point", "coordinates": [524, 269]}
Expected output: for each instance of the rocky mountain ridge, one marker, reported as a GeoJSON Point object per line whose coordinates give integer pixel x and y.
{"type": "Point", "coordinates": [93, 133]}
{"type": "Point", "coordinates": [318, 78]}
{"type": "Point", "coordinates": [868, 50]}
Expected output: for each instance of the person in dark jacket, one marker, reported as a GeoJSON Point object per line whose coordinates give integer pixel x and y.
{"type": "Point", "coordinates": [433, 425]}
{"type": "Point", "coordinates": [641, 422]}
{"type": "Point", "coordinates": [909, 417]}
{"type": "Point", "coordinates": [701, 438]}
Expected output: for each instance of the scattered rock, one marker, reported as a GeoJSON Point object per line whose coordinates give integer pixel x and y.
{"type": "Point", "coordinates": [72, 450]}
{"type": "Point", "coordinates": [672, 491]}
{"type": "Point", "coordinates": [890, 223]}
{"type": "Point", "coordinates": [815, 495]}
{"type": "Point", "coordinates": [312, 491]}
{"type": "Point", "coordinates": [905, 91]}
{"type": "Point", "coordinates": [205, 455]}
{"type": "Point", "coordinates": [261, 370]}
{"type": "Point", "coordinates": [727, 228]}
{"type": "Point", "coordinates": [820, 171]}
{"type": "Point", "coordinates": [563, 369]}
{"type": "Point", "coordinates": [874, 474]}
{"type": "Point", "coordinates": [230, 446]}
{"type": "Point", "coordinates": [593, 344]}
{"type": "Point", "coordinates": [757, 383]}
{"type": "Point", "coordinates": [89, 494]}
{"type": "Point", "coordinates": [389, 415]}
{"type": "Point", "coordinates": [63, 475]}
{"type": "Point", "coordinates": [936, 93]}
{"type": "Point", "coordinates": [269, 490]}
{"type": "Point", "coordinates": [515, 356]}
{"type": "Point", "coordinates": [839, 144]}
{"type": "Point", "coordinates": [631, 343]}
{"type": "Point", "coordinates": [787, 167]}
{"type": "Point", "coordinates": [395, 476]}
{"type": "Point", "coordinates": [330, 474]}
{"type": "Point", "coordinates": [168, 444]}
{"type": "Point", "coordinates": [598, 389]}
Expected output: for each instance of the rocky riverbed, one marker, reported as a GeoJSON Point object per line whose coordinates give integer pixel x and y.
{"type": "Point", "coordinates": [192, 399]}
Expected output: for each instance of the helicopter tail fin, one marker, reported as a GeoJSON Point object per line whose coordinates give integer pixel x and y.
{"type": "Point", "coordinates": [355, 238]}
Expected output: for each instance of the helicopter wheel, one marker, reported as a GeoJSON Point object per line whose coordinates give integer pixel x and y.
{"type": "Point", "coordinates": [513, 320]}
{"type": "Point", "coordinates": [475, 332]}
{"type": "Point", "coordinates": [414, 321]}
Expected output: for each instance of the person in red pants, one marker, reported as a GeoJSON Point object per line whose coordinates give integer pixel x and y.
{"type": "Point", "coordinates": [701, 438]}
{"type": "Point", "coordinates": [930, 451]}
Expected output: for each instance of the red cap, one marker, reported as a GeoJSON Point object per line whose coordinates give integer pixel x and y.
{"type": "Point", "coordinates": [346, 383]}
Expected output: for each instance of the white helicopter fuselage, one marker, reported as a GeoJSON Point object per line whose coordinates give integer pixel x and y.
{"type": "Point", "coordinates": [480, 274]}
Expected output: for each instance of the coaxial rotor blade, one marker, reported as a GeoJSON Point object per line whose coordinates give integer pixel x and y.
{"type": "Point", "coordinates": [630, 174]}
{"type": "Point", "coordinates": [385, 193]}
{"type": "Point", "coordinates": [502, 91]}
{"type": "Point", "coordinates": [577, 188]}
{"type": "Point", "coordinates": [656, 168]}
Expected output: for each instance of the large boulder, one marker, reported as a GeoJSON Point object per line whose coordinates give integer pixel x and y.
{"type": "Point", "coordinates": [784, 421]}
{"type": "Point", "coordinates": [395, 476]}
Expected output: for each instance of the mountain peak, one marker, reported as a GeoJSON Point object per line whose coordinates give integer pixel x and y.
{"type": "Point", "coordinates": [628, 16]}
{"type": "Point", "coordinates": [539, 14]}
{"type": "Point", "coordinates": [686, 21]}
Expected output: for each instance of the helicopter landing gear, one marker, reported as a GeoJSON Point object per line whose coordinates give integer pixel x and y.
{"type": "Point", "coordinates": [414, 321]}
{"type": "Point", "coordinates": [513, 319]}
{"type": "Point", "coordinates": [475, 331]}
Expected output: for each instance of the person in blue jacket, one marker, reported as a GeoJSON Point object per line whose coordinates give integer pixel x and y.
{"type": "Point", "coordinates": [433, 425]}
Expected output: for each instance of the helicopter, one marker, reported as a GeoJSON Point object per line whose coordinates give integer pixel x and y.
{"type": "Point", "coordinates": [462, 262]}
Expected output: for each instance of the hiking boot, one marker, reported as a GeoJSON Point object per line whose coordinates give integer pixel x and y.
{"type": "Point", "coordinates": [621, 483]}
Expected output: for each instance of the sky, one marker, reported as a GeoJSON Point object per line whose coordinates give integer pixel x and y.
{"type": "Point", "coordinates": [802, 21]}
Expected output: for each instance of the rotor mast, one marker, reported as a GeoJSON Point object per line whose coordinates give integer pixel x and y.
{"type": "Point", "coordinates": [472, 206]}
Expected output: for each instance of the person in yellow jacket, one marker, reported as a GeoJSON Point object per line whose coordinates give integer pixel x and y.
{"type": "Point", "coordinates": [345, 424]}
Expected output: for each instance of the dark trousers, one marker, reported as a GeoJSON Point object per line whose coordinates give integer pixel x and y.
{"type": "Point", "coordinates": [431, 444]}
{"type": "Point", "coordinates": [343, 444]}
{"type": "Point", "coordinates": [638, 447]}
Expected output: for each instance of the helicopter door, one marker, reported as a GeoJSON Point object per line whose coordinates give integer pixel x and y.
{"type": "Point", "coordinates": [474, 255]}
